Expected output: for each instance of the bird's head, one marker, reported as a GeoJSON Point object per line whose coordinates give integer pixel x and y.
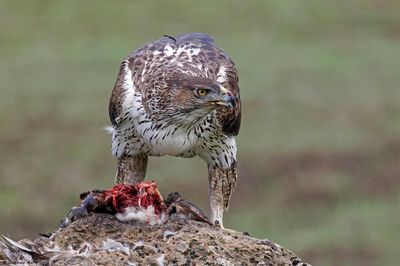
{"type": "Point", "coordinates": [198, 96]}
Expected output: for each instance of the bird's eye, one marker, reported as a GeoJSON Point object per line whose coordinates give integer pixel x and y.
{"type": "Point", "coordinates": [201, 92]}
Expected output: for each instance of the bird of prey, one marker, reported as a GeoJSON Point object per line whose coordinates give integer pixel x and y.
{"type": "Point", "coordinates": [179, 97]}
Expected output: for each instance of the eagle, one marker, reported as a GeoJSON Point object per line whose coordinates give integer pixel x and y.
{"type": "Point", "coordinates": [179, 97]}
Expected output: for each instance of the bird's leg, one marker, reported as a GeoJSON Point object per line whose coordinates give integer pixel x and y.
{"type": "Point", "coordinates": [131, 169]}
{"type": "Point", "coordinates": [221, 184]}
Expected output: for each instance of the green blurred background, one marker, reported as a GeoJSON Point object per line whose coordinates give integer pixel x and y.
{"type": "Point", "coordinates": [319, 148]}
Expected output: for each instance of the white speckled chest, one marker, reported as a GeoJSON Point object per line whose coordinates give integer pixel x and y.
{"type": "Point", "coordinates": [164, 138]}
{"type": "Point", "coordinates": [137, 133]}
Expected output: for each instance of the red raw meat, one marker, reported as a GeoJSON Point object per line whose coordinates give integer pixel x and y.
{"type": "Point", "coordinates": [140, 195]}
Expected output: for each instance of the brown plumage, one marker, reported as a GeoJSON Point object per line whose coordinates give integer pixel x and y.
{"type": "Point", "coordinates": [184, 209]}
{"type": "Point", "coordinates": [179, 97]}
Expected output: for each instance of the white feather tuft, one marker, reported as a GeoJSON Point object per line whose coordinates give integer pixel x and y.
{"type": "Point", "coordinates": [221, 75]}
{"type": "Point", "coordinates": [109, 129]}
{"type": "Point", "coordinates": [140, 214]}
{"type": "Point", "coordinates": [168, 50]}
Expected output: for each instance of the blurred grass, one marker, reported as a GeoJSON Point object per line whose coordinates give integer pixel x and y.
{"type": "Point", "coordinates": [318, 79]}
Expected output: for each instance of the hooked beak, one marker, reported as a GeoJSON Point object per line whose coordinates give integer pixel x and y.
{"type": "Point", "coordinates": [225, 98]}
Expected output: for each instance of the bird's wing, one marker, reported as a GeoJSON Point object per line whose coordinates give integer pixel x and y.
{"type": "Point", "coordinates": [134, 71]}
{"type": "Point", "coordinates": [17, 247]}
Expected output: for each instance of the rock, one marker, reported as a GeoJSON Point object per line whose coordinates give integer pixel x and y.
{"type": "Point", "coordinates": [182, 246]}
{"type": "Point", "coordinates": [100, 239]}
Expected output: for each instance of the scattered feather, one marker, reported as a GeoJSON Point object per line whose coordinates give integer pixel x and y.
{"type": "Point", "coordinates": [138, 244]}
{"type": "Point", "coordinates": [223, 261]}
{"type": "Point", "coordinates": [141, 243]}
{"type": "Point", "coordinates": [85, 250]}
{"type": "Point", "coordinates": [113, 245]}
{"type": "Point", "coordinates": [15, 245]}
{"type": "Point", "coordinates": [160, 260]}
{"type": "Point", "coordinates": [168, 234]}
